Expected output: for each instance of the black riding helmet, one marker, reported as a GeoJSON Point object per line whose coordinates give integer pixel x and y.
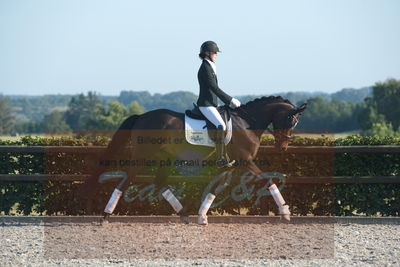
{"type": "Point", "coordinates": [209, 46]}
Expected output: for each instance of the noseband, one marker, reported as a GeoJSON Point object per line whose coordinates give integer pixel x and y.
{"type": "Point", "coordinates": [279, 135]}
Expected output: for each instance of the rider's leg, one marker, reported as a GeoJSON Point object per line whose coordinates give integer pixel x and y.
{"type": "Point", "coordinates": [212, 114]}
{"type": "Point", "coordinates": [224, 160]}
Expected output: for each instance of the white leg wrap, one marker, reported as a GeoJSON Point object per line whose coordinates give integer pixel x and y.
{"type": "Point", "coordinates": [112, 203]}
{"type": "Point", "coordinates": [202, 220]}
{"type": "Point", "coordinates": [206, 204]}
{"type": "Point", "coordinates": [276, 195]}
{"type": "Point", "coordinates": [284, 210]}
{"type": "Point", "coordinates": [173, 201]}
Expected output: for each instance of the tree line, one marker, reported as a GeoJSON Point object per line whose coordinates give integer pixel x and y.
{"type": "Point", "coordinates": [84, 112]}
{"type": "Point", "coordinates": [377, 114]}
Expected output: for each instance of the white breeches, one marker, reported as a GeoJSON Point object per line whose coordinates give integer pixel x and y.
{"type": "Point", "coordinates": [212, 114]}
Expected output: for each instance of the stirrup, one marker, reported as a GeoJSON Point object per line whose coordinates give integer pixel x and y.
{"type": "Point", "coordinates": [223, 163]}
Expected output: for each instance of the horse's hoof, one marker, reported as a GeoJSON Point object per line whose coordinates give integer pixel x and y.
{"type": "Point", "coordinates": [285, 217]}
{"type": "Point", "coordinates": [284, 212]}
{"type": "Point", "coordinates": [202, 220]}
{"type": "Point", "coordinates": [104, 222]}
{"type": "Point", "coordinates": [104, 219]}
{"type": "Point", "coordinates": [184, 219]}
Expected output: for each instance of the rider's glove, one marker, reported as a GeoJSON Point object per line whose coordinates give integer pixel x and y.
{"type": "Point", "coordinates": [234, 103]}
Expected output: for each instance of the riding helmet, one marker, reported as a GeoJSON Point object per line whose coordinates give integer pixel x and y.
{"type": "Point", "coordinates": [209, 46]}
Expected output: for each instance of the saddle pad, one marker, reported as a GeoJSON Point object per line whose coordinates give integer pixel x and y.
{"type": "Point", "coordinates": [196, 135]}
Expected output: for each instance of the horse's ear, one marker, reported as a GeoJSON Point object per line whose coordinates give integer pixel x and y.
{"type": "Point", "coordinates": [301, 108]}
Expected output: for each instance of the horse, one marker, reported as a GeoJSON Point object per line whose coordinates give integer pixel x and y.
{"type": "Point", "coordinates": [153, 135]}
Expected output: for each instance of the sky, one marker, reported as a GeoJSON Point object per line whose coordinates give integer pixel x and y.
{"type": "Point", "coordinates": [70, 46]}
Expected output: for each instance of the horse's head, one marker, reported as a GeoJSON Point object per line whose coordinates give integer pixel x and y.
{"type": "Point", "coordinates": [280, 112]}
{"type": "Point", "coordinates": [284, 122]}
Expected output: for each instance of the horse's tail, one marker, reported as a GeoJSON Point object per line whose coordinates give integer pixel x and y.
{"type": "Point", "coordinates": [118, 141]}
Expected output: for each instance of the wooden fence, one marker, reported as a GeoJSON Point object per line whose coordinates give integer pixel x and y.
{"type": "Point", "coordinates": [264, 150]}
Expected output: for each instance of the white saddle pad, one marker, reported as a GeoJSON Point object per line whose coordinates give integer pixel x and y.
{"type": "Point", "coordinates": [196, 135]}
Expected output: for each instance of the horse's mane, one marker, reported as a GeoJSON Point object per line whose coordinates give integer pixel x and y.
{"type": "Point", "coordinates": [268, 100]}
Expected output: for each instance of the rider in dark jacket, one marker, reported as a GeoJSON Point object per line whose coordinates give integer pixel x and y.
{"type": "Point", "coordinates": [208, 97]}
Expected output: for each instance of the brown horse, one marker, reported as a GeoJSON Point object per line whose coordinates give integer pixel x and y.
{"type": "Point", "coordinates": [160, 134]}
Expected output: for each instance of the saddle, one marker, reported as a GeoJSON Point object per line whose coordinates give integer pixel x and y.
{"type": "Point", "coordinates": [196, 114]}
{"type": "Point", "coordinates": [200, 131]}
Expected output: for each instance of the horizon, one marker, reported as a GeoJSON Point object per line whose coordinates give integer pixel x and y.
{"type": "Point", "coordinates": [71, 47]}
{"type": "Point", "coordinates": [97, 93]}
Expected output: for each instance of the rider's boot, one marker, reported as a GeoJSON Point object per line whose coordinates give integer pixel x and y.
{"type": "Point", "coordinates": [222, 157]}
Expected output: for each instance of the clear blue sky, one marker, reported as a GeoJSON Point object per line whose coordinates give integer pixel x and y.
{"type": "Point", "coordinates": [68, 47]}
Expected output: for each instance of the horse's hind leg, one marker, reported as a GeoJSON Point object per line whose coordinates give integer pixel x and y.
{"type": "Point", "coordinates": [219, 183]}
{"type": "Point", "coordinates": [115, 196]}
{"type": "Point", "coordinates": [161, 184]}
{"type": "Point", "coordinates": [119, 140]}
{"type": "Point", "coordinates": [118, 191]}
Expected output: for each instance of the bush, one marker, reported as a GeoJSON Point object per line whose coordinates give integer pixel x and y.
{"type": "Point", "coordinates": [381, 129]}
{"type": "Point", "coordinates": [319, 199]}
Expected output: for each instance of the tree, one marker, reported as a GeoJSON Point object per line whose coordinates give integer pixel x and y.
{"type": "Point", "coordinates": [177, 101]}
{"type": "Point", "coordinates": [332, 116]}
{"type": "Point", "coordinates": [369, 115]}
{"type": "Point", "coordinates": [386, 97]}
{"type": "Point", "coordinates": [81, 111]}
{"type": "Point", "coordinates": [135, 108]}
{"type": "Point", "coordinates": [108, 118]}
{"type": "Point", "coordinates": [6, 117]}
{"type": "Point", "coordinates": [28, 127]}
{"type": "Point", "coordinates": [381, 129]}
{"type": "Point", "coordinates": [381, 114]}
{"type": "Point", "coordinates": [55, 121]}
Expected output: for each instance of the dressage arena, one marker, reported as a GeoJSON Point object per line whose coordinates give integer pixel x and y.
{"type": "Point", "coordinates": [226, 241]}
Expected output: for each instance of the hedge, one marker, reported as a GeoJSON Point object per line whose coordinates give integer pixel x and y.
{"type": "Point", "coordinates": [59, 198]}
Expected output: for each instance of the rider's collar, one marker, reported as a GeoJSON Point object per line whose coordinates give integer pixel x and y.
{"type": "Point", "coordinates": [213, 66]}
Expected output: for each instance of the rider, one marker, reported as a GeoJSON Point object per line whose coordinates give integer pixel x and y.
{"type": "Point", "coordinates": [209, 91]}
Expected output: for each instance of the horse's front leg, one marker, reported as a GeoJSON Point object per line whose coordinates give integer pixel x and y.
{"type": "Point", "coordinates": [276, 194]}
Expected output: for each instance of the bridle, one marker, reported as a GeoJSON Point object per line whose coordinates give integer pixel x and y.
{"type": "Point", "coordinates": [276, 134]}
{"type": "Point", "coordinates": [279, 135]}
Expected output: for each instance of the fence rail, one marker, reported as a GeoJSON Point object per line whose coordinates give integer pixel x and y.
{"type": "Point", "coordinates": [201, 179]}
{"type": "Point", "coordinates": [149, 179]}
{"type": "Point", "coordinates": [263, 149]}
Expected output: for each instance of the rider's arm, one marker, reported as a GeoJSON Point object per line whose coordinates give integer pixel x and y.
{"type": "Point", "coordinates": [211, 82]}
